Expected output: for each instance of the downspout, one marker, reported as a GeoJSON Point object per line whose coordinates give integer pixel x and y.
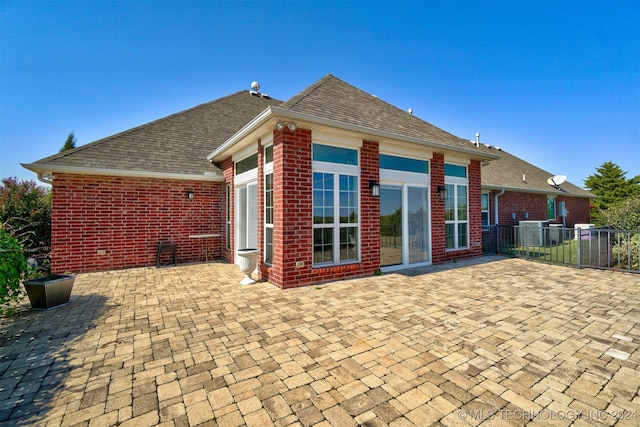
{"type": "Point", "coordinates": [45, 177]}
{"type": "Point", "coordinates": [495, 203]}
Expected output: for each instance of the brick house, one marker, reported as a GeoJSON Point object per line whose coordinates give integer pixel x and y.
{"type": "Point", "coordinates": [514, 190]}
{"type": "Point", "coordinates": [333, 183]}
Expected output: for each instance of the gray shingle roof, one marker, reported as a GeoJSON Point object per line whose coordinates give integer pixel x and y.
{"type": "Point", "coordinates": [176, 144]}
{"type": "Point", "coordinates": [332, 98]}
{"type": "Point", "coordinates": [507, 172]}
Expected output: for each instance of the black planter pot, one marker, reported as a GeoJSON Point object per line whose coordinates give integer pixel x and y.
{"type": "Point", "coordinates": [50, 291]}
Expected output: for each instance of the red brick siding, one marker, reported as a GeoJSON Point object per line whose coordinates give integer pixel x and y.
{"type": "Point", "coordinates": [436, 167]}
{"type": "Point", "coordinates": [535, 205]}
{"type": "Point", "coordinates": [228, 168]}
{"type": "Point", "coordinates": [126, 217]}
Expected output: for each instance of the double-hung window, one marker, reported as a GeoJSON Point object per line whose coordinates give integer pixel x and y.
{"type": "Point", "coordinates": [484, 206]}
{"type": "Point", "coordinates": [336, 201]}
{"type": "Point", "coordinates": [456, 207]}
{"type": "Point", "coordinates": [551, 207]}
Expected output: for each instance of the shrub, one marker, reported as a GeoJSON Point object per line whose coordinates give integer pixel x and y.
{"type": "Point", "coordinates": [13, 269]}
{"type": "Point", "coordinates": [626, 247]}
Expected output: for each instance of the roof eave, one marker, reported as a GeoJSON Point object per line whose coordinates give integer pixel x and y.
{"type": "Point", "coordinates": [282, 113]}
{"type": "Point", "coordinates": [535, 190]}
{"type": "Point", "coordinates": [50, 169]}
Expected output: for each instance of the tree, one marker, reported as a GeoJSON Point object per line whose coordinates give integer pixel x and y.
{"type": "Point", "coordinates": [69, 143]}
{"type": "Point", "coordinates": [13, 269]}
{"type": "Point", "coordinates": [611, 186]}
{"type": "Point", "coordinates": [25, 212]}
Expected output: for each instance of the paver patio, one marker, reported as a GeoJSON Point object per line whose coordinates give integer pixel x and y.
{"type": "Point", "coordinates": [493, 341]}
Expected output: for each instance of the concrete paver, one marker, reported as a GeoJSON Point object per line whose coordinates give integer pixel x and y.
{"type": "Point", "coordinates": [491, 341]}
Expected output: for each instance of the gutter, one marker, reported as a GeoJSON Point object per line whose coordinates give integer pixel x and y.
{"type": "Point", "coordinates": [46, 173]}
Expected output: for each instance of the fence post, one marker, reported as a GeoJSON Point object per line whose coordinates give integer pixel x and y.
{"type": "Point", "coordinates": [579, 246]}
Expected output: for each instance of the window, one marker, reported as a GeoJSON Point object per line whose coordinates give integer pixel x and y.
{"type": "Point", "coordinates": [335, 218]}
{"type": "Point", "coordinates": [551, 207]}
{"type": "Point", "coordinates": [484, 207]}
{"type": "Point", "coordinates": [403, 164]}
{"type": "Point", "coordinates": [268, 218]}
{"type": "Point", "coordinates": [456, 207]}
{"type": "Point", "coordinates": [247, 164]}
{"type": "Point", "coordinates": [327, 153]}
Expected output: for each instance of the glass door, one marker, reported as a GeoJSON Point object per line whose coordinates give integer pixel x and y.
{"type": "Point", "coordinates": [390, 225]}
{"type": "Point", "coordinates": [404, 225]}
{"type": "Point", "coordinates": [247, 216]}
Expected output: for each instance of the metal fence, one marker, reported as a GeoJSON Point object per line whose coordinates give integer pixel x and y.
{"type": "Point", "coordinates": [601, 248]}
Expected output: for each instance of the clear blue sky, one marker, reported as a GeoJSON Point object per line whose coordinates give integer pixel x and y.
{"type": "Point", "coordinates": [555, 83]}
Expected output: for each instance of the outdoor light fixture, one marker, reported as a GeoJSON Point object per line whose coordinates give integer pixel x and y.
{"type": "Point", "coordinates": [442, 192]}
{"type": "Point", "coordinates": [281, 125]}
{"type": "Point", "coordinates": [190, 195]}
{"type": "Point", "coordinates": [375, 188]}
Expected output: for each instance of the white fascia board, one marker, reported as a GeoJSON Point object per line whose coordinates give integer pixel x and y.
{"type": "Point", "coordinates": [41, 169]}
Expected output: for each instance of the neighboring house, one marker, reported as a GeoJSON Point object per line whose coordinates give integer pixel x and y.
{"type": "Point", "coordinates": [514, 190]}
{"type": "Point", "coordinates": [333, 183]}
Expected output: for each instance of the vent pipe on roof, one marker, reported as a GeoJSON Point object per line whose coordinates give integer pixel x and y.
{"type": "Point", "coordinates": [410, 111]}
{"type": "Point", "coordinates": [478, 139]}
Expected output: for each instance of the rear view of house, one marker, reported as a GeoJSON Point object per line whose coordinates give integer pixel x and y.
{"type": "Point", "coordinates": [331, 184]}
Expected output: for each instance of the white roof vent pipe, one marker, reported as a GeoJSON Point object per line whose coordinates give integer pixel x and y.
{"type": "Point", "coordinates": [478, 139]}
{"type": "Point", "coordinates": [410, 111]}
{"type": "Point", "coordinates": [255, 90]}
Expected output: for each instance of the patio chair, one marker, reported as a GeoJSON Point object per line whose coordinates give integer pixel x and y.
{"type": "Point", "coordinates": [167, 247]}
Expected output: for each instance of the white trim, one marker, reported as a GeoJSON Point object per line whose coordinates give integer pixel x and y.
{"type": "Point", "coordinates": [76, 170]}
{"type": "Point", "coordinates": [267, 140]}
{"type": "Point", "coordinates": [329, 167]}
{"type": "Point", "coordinates": [245, 177]}
{"type": "Point", "coordinates": [335, 141]}
{"type": "Point", "coordinates": [245, 152]}
{"type": "Point", "coordinates": [456, 160]}
{"type": "Point", "coordinates": [405, 150]}
{"type": "Point", "coordinates": [403, 176]}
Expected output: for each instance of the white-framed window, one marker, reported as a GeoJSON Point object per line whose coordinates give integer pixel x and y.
{"type": "Point", "coordinates": [268, 204]}
{"type": "Point", "coordinates": [456, 207]}
{"type": "Point", "coordinates": [484, 207]}
{"type": "Point", "coordinates": [336, 201]}
{"type": "Point", "coordinates": [551, 207]}
{"type": "Point", "coordinates": [227, 210]}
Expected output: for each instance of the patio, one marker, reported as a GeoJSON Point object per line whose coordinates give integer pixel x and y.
{"type": "Point", "coordinates": [490, 341]}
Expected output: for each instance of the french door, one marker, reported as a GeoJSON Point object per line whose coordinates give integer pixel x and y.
{"type": "Point", "coordinates": [404, 225]}
{"type": "Point", "coordinates": [247, 216]}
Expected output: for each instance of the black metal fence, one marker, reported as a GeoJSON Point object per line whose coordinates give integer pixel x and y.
{"type": "Point", "coordinates": [602, 248]}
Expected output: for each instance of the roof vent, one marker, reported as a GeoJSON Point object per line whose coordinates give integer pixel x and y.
{"type": "Point", "coordinates": [477, 139]}
{"type": "Point", "coordinates": [410, 111]}
{"type": "Point", "coordinates": [255, 91]}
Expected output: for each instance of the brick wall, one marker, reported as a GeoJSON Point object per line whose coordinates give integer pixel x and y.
{"type": "Point", "coordinates": [104, 223]}
{"type": "Point", "coordinates": [535, 205]}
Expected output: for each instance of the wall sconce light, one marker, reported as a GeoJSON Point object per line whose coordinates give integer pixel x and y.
{"type": "Point", "coordinates": [375, 188]}
{"type": "Point", "coordinates": [513, 215]}
{"type": "Point", "coordinates": [442, 192]}
{"type": "Point", "coordinates": [526, 215]}
{"type": "Point", "coordinates": [281, 125]}
{"type": "Point", "coordinates": [190, 195]}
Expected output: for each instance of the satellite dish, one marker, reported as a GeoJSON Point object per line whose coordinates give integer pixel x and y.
{"type": "Point", "coordinates": [556, 180]}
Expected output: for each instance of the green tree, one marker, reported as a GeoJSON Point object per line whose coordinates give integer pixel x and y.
{"type": "Point", "coordinates": [69, 143]}
{"type": "Point", "coordinates": [13, 269]}
{"type": "Point", "coordinates": [612, 187]}
{"type": "Point", "coordinates": [25, 212]}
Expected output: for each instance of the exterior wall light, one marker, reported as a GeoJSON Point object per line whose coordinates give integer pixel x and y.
{"type": "Point", "coordinates": [442, 192]}
{"type": "Point", "coordinates": [375, 188]}
{"type": "Point", "coordinates": [190, 195]}
{"type": "Point", "coordinates": [281, 125]}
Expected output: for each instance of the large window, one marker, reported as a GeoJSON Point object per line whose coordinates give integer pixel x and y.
{"type": "Point", "coordinates": [268, 204]}
{"type": "Point", "coordinates": [336, 216]}
{"type": "Point", "coordinates": [484, 206]}
{"type": "Point", "coordinates": [227, 211]}
{"type": "Point", "coordinates": [456, 207]}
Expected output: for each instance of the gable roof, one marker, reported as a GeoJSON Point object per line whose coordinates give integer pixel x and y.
{"type": "Point", "coordinates": [331, 105]}
{"type": "Point", "coordinates": [507, 172]}
{"type": "Point", "coordinates": [173, 146]}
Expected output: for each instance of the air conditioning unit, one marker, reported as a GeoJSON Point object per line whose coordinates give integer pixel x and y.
{"type": "Point", "coordinates": [533, 233]}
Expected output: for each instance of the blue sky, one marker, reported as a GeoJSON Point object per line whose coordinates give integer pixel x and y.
{"type": "Point", "coordinates": [555, 83]}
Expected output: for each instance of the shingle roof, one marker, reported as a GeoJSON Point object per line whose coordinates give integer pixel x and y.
{"type": "Point", "coordinates": [176, 144]}
{"type": "Point", "coordinates": [332, 98]}
{"type": "Point", "coordinates": [507, 172]}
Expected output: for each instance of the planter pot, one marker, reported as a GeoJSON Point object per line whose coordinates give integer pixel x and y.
{"type": "Point", "coordinates": [50, 291]}
{"type": "Point", "coordinates": [247, 261]}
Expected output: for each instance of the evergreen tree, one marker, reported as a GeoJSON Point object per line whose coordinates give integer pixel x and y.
{"type": "Point", "coordinates": [612, 187]}
{"type": "Point", "coordinates": [69, 143]}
